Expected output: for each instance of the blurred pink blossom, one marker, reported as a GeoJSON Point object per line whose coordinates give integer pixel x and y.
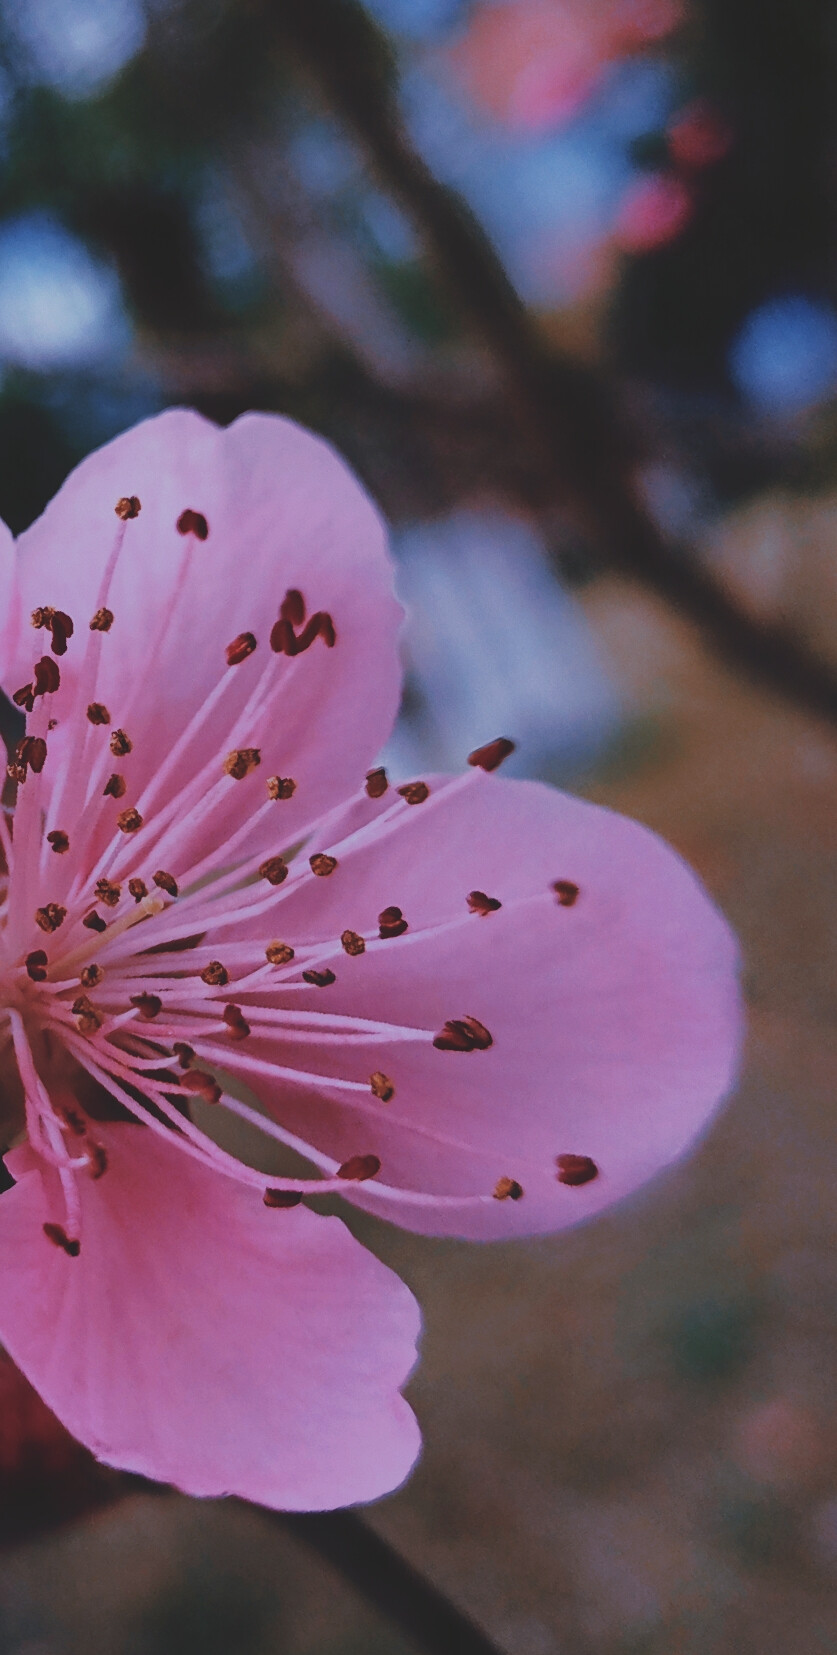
{"type": "Point", "coordinates": [653, 211]}
{"type": "Point", "coordinates": [475, 1006]}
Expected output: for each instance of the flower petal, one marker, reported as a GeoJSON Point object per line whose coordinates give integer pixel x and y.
{"type": "Point", "coordinates": [203, 1339]}
{"type": "Point", "coordinates": [614, 1016]}
{"type": "Point", "coordinates": [282, 513]}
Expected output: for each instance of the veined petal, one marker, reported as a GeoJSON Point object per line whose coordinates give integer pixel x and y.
{"type": "Point", "coordinates": [203, 1339]}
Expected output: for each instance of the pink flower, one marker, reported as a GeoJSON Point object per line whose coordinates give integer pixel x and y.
{"type": "Point", "coordinates": [478, 1007]}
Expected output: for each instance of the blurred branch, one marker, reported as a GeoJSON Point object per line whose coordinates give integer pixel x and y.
{"type": "Point", "coordinates": [565, 411]}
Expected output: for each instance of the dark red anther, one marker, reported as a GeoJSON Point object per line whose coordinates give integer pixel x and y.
{"type": "Point", "coordinates": [165, 881]}
{"type": "Point", "coordinates": [215, 975]}
{"type": "Point", "coordinates": [292, 607]}
{"type": "Point", "coordinates": [184, 1053]}
{"type": "Point", "coordinates": [376, 782]}
{"type": "Point", "coordinates": [575, 1169]}
{"type": "Point", "coordinates": [202, 1084]}
{"type": "Point", "coordinates": [279, 953]}
{"type": "Point", "coordinates": [319, 625]}
{"type": "Point", "coordinates": [97, 1157]}
{"type": "Point", "coordinates": [359, 1167]}
{"type": "Point", "coordinates": [282, 1198]}
{"type": "Point", "coordinates": [280, 787]}
{"type": "Point", "coordinates": [16, 772]}
{"type": "Point", "coordinates": [414, 792]}
{"type": "Point", "coordinates": [322, 865]}
{"type": "Point", "coordinates": [274, 870]}
{"type": "Point", "coordinates": [36, 965]}
{"type": "Point", "coordinates": [102, 621]}
{"type": "Point", "coordinates": [479, 903]}
{"type": "Point", "coordinates": [352, 943]}
{"type": "Point", "coordinates": [149, 1006]}
{"type": "Point", "coordinates": [240, 648]}
{"type": "Point", "coordinates": [115, 787]}
{"type": "Point", "coordinates": [507, 1189]}
{"type": "Point", "coordinates": [32, 751]}
{"type": "Point", "coordinates": [463, 1034]}
{"type": "Point", "coordinates": [137, 888]}
{"type": "Point", "coordinates": [91, 976]}
{"type": "Point", "coordinates": [319, 979]}
{"type": "Point", "coordinates": [391, 923]}
{"type": "Point", "coordinates": [59, 841]}
{"type": "Point", "coordinates": [566, 892]}
{"type": "Point", "coordinates": [88, 1018]}
{"type": "Point", "coordinates": [119, 744]}
{"type": "Point", "coordinates": [381, 1086]}
{"type": "Point", "coordinates": [327, 630]}
{"type": "Point", "coordinates": [193, 522]}
{"type": "Point", "coordinates": [62, 628]}
{"type": "Point", "coordinates": [282, 640]}
{"type": "Point", "coordinates": [107, 892]}
{"type": "Point", "coordinates": [97, 713]}
{"type": "Point", "coordinates": [129, 821]}
{"type": "Point", "coordinates": [236, 1022]}
{"type": "Point", "coordinates": [50, 916]}
{"type": "Point", "coordinates": [60, 1238]}
{"type": "Point", "coordinates": [47, 676]}
{"type": "Point", "coordinates": [241, 761]}
{"type": "Point", "coordinates": [24, 697]}
{"type": "Point", "coordinates": [128, 507]}
{"type": "Point", "coordinates": [492, 754]}
{"type": "Point", "coordinates": [94, 921]}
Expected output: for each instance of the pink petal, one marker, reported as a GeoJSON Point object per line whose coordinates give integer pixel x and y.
{"type": "Point", "coordinates": [615, 1021]}
{"type": "Point", "coordinates": [283, 512]}
{"type": "Point", "coordinates": [203, 1339]}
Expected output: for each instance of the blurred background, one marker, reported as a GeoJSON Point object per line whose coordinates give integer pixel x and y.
{"type": "Point", "coordinates": [558, 277]}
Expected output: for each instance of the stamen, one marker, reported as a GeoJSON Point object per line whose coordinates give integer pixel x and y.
{"type": "Point", "coordinates": [381, 1086]}
{"type": "Point", "coordinates": [322, 865]}
{"type": "Point", "coordinates": [575, 1170]}
{"type": "Point", "coordinates": [137, 888]}
{"type": "Point", "coordinates": [42, 616]}
{"type": "Point", "coordinates": [102, 621]}
{"type": "Point", "coordinates": [128, 821]}
{"type": "Point", "coordinates": [203, 1085]}
{"type": "Point", "coordinates": [359, 1167]}
{"type": "Point", "coordinates": [184, 1053]}
{"type": "Point", "coordinates": [120, 744]}
{"type": "Point", "coordinates": [166, 882]}
{"type": "Point", "coordinates": [36, 964]}
{"type": "Point", "coordinates": [279, 953]}
{"type": "Point", "coordinates": [274, 870]}
{"type": "Point", "coordinates": [377, 782]}
{"type": "Point", "coordinates": [32, 751]}
{"type": "Point", "coordinates": [115, 787]}
{"type": "Point", "coordinates": [149, 1006]}
{"type": "Point", "coordinates": [479, 903]}
{"type": "Point", "coordinates": [280, 787]}
{"type": "Point", "coordinates": [463, 1034]}
{"type": "Point", "coordinates": [108, 893]}
{"type": "Point", "coordinates": [91, 976]}
{"type": "Point", "coordinates": [391, 923]}
{"type": "Point", "coordinates": [492, 754]}
{"type": "Point", "coordinates": [240, 648]}
{"type": "Point", "coordinates": [414, 792]}
{"type": "Point", "coordinates": [50, 916]}
{"type": "Point", "coordinates": [507, 1189]}
{"type": "Point", "coordinates": [128, 507]}
{"type": "Point", "coordinates": [292, 607]}
{"type": "Point", "coordinates": [97, 713]}
{"type": "Point", "coordinates": [59, 840]}
{"type": "Point", "coordinates": [282, 1198]}
{"type": "Point", "coordinates": [215, 974]}
{"type": "Point", "coordinates": [94, 921]}
{"type": "Point", "coordinates": [60, 1238]}
{"type": "Point", "coordinates": [566, 892]}
{"type": "Point", "coordinates": [89, 1020]}
{"type": "Point", "coordinates": [352, 943]}
{"type": "Point", "coordinates": [193, 522]}
{"type": "Point", "coordinates": [47, 676]}
{"type": "Point", "coordinates": [319, 979]}
{"type": "Point", "coordinates": [61, 628]}
{"type": "Point", "coordinates": [241, 762]}
{"type": "Point", "coordinates": [236, 1022]}
{"type": "Point", "coordinates": [24, 697]}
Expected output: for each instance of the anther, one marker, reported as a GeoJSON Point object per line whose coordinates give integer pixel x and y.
{"type": "Point", "coordinates": [87, 1017]}
{"type": "Point", "coordinates": [115, 787]}
{"type": "Point", "coordinates": [98, 713]}
{"type": "Point", "coordinates": [60, 1238]}
{"type": "Point", "coordinates": [274, 870]}
{"type": "Point", "coordinates": [319, 979]}
{"type": "Point", "coordinates": [97, 1158]}
{"type": "Point", "coordinates": [94, 921]}
{"type": "Point", "coordinates": [59, 840]}
{"type": "Point", "coordinates": [62, 628]}
{"type": "Point", "coordinates": [414, 792]}
{"type": "Point", "coordinates": [377, 782]}
{"type": "Point", "coordinates": [507, 1189]}
{"type": "Point", "coordinates": [128, 507]}
{"type": "Point", "coordinates": [166, 882]}
{"type": "Point", "coordinates": [193, 522]}
{"type": "Point", "coordinates": [16, 772]}
{"type": "Point", "coordinates": [320, 625]}
{"type": "Point", "coordinates": [36, 964]}
{"type": "Point", "coordinates": [282, 640]}
{"type": "Point", "coordinates": [107, 892]}
{"type": "Point", "coordinates": [120, 744]}
{"type": "Point", "coordinates": [292, 607]}
{"type": "Point", "coordinates": [50, 916]}
{"type": "Point", "coordinates": [91, 976]}
{"type": "Point", "coordinates": [391, 923]}
{"type": "Point", "coordinates": [240, 648]}
{"type": "Point", "coordinates": [278, 953]}
{"type": "Point", "coordinates": [282, 1198]}
{"type": "Point", "coordinates": [215, 974]}
{"type": "Point", "coordinates": [236, 1022]}
{"type": "Point", "coordinates": [24, 697]}
{"type": "Point", "coordinates": [322, 865]}
{"type": "Point", "coordinates": [381, 1086]}
{"type": "Point", "coordinates": [203, 1085]}
{"type": "Point", "coordinates": [479, 903]}
{"type": "Point", "coordinates": [47, 676]}
{"type": "Point", "coordinates": [280, 787]}
{"type": "Point", "coordinates": [575, 1169]}
{"type": "Point", "coordinates": [359, 1167]}
{"type": "Point", "coordinates": [102, 621]}
{"type": "Point", "coordinates": [32, 751]}
{"type": "Point", "coordinates": [43, 616]}
{"type": "Point", "coordinates": [149, 1006]}
{"type": "Point", "coordinates": [566, 892]}
{"type": "Point", "coordinates": [241, 762]}
{"type": "Point", "coordinates": [351, 943]}
{"type": "Point", "coordinates": [128, 821]}
{"type": "Point", "coordinates": [463, 1034]}
{"type": "Point", "coordinates": [137, 888]}
{"type": "Point", "coordinates": [492, 754]}
{"type": "Point", "coordinates": [184, 1053]}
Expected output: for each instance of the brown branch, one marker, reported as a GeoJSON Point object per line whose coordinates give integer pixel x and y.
{"type": "Point", "coordinates": [565, 411]}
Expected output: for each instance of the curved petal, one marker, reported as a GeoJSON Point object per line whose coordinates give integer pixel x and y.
{"type": "Point", "coordinates": [205, 1340]}
{"type": "Point", "coordinates": [615, 1020]}
{"type": "Point", "coordinates": [282, 512]}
